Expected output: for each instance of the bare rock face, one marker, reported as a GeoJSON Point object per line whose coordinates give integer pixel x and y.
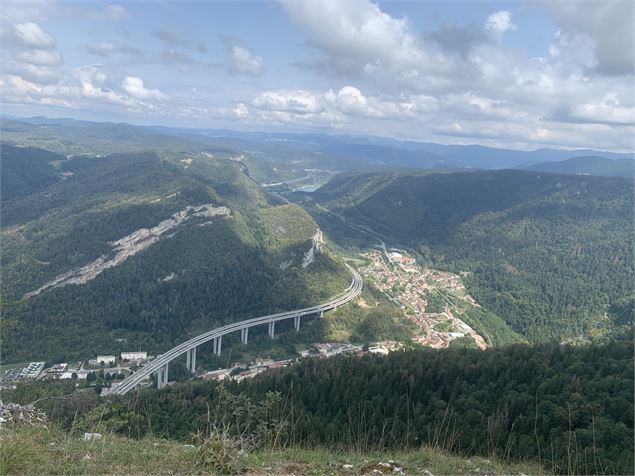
{"type": "Point", "coordinates": [132, 244]}
{"type": "Point", "coordinates": [317, 241]}
{"type": "Point", "coordinates": [13, 414]}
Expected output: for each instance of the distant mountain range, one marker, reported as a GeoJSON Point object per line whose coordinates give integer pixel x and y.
{"type": "Point", "coordinates": [301, 151]}
{"type": "Point", "coordinates": [588, 165]}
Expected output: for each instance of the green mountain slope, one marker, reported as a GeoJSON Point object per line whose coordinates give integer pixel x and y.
{"type": "Point", "coordinates": [133, 250]}
{"type": "Point", "coordinates": [547, 253]}
{"type": "Point", "coordinates": [25, 170]}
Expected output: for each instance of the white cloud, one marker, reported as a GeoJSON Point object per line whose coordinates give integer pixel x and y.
{"type": "Point", "coordinates": [295, 101]}
{"type": "Point", "coordinates": [108, 49]}
{"type": "Point", "coordinates": [116, 12]}
{"type": "Point", "coordinates": [240, 111]}
{"type": "Point", "coordinates": [32, 35]}
{"type": "Point", "coordinates": [16, 89]}
{"type": "Point", "coordinates": [110, 12]}
{"type": "Point", "coordinates": [347, 102]}
{"type": "Point", "coordinates": [499, 22]}
{"type": "Point", "coordinates": [608, 110]}
{"type": "Point", "coordinates": [608, 25]}
{"type": "Point", "coordinates": [243, 61]}
{"type": "Point", "coordinates": [95, 85]}
{"type": "Point", "coordinates": [573, 51]}
{"type": "Point", "coordinates": [19, 11]}
{"type": "Point", "coordinates": [356, 36]}
{"type": "Point", "coordinates": [135, 88]}
{"type": "Point", "coordinates": [33, 73]}
{"type": "Point", "coordinates": [40, 57]}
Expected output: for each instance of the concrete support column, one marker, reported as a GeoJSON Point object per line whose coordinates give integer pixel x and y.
{"type": "Point", "coordinates": [188, 359]}
{"type": "Point", "coordinates": [272, 328]}
{"type": "Point", "coordinates": [321, 314]}
{"type": "Point", "coordinates": [244, 335]}
{"type": "Point", "coordinates": [192, 365]}
{"type": "Point", "coordinates": [218, 341]}
{"type": "Point", "coordinates": [162, 376]}
{"type": "Point", "coordinates": [296, 323]}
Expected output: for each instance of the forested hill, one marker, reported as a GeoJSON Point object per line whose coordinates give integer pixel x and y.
{"type": "Point", "coordinates": [551, 254]}
{"type": "Point", "coordinates": [133, 250]}
{"type": "Point", "coordinates": [567, 408]}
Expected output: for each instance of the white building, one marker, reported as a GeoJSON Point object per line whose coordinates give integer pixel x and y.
{"type": "Point", "coordinates": [456, 335]}
{"type": "Point", "coordinates": [81, 375]}
{"type": "Point", "coordinates": [106, 359]}
{"type": "Point", "coordinates": [378, 350]}
{"type": "Point", "coordinates": [134, 356]}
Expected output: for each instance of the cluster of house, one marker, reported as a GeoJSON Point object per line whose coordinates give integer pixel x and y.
{"type": "Point", "coordinates": [63, 371]}
{"type": "Point", "coordinates": [239, 371]}
{"type": "Point", "coordinates": [407, 286]}
{"type": "Point", "coordinates": [397, 257]}
{"type": "Point", "coordinates": [411, 285]}
{"type": "Point", "coordinates": [329, 349]}
{"type": "Point", "coordinates": [125, 357]}
{"type": "Point", "coordinates": [438, 340]}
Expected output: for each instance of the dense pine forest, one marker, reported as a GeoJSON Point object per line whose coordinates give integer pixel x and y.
{"type": "Point", "coordinates": [568, 408]}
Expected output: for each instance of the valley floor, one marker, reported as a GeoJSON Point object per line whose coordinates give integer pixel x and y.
{"type": "Point", "coordinates": [31, 450]}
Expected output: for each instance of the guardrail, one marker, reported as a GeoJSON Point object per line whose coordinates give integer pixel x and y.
{"type": "Point", "coordinates": [160, 364]}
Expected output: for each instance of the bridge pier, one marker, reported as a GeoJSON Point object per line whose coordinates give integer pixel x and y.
{"type": "Point", "coordinates": [321, 314]}
{"type": "Point", "coordinates": [272, 328]}
{"type": "Point", "coordinates": [218, 341]}
{"type": "Point", "coordinates": [296, 323]}
{"type": "Point", "coordinates": [244, 335]}
{"type": "Point", "coordinates": [190, 358]}
{"type": "Point", "coordinates": [162, 376]}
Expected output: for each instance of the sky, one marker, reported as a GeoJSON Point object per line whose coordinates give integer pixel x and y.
{"type": "Point", "coordinates": [521, 74]}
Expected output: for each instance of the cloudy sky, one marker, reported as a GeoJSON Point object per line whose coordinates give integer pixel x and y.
{"type": "Point", "coordinates": [522, 74]}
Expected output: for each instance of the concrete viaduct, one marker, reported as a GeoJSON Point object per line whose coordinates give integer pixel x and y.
{"type": "Point", "coordinates": [161, 363]}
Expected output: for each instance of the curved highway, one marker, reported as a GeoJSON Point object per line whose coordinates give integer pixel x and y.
{"type": "Point", "coordinates": [161, 362]}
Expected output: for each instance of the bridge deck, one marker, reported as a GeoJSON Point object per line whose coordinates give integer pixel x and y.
{"type": "Point", "coordinates": [161, 361]}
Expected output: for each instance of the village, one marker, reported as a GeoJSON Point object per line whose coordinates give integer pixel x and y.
{"type": "Point", "coordinates": [411, 287]}
{"type": "Point", "coordinates": [104, 370]}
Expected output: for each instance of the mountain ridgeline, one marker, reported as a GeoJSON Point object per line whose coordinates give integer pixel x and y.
{"type": "Point", "coordinates": [132, 250]}
{"type": "Point", "coordinates": [588, 165]}
{"type": "Point", "coordinates": [552, 255]}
